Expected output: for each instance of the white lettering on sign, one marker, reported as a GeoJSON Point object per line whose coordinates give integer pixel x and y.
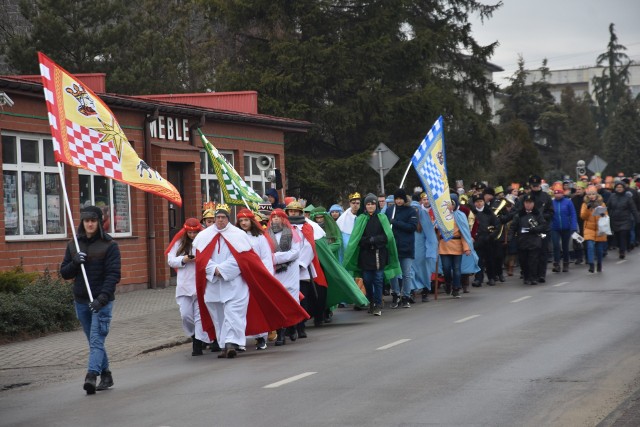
{"type": "Point", "coordinates": [170, 128]}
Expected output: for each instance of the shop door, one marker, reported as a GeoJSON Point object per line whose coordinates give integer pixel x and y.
{"type": "Point", "coordinates": [176, 213]}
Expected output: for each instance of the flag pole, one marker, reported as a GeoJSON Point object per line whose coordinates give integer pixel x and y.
{"type": "Point", "coordinates": [73, 228]}
{"type": "Point", "coordinates": [406, 172]}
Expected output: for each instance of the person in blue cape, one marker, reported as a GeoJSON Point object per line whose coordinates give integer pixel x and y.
{"type": "Point", "coordinates": [372, 253]}
{"type": "Point", "coordinates": [426, 247]}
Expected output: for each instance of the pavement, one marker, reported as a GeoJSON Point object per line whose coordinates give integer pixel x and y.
{"type": "Point", "coordinates": [144, 321]}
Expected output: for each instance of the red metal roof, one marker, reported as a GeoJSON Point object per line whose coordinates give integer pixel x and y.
{"type": "Point", "coordinates": [94, 81]}
{"type": "Point", "coordinates": [242, 102]}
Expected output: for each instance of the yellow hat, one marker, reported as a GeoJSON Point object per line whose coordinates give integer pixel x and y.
{"type": "Point", "coordinates": [498, 189]}
{"type": "Point", "coordinates": [294, 206]}
{"type": "Point", "coordinates": [223, 208]}
{"type": "Point", "coordinates": [208, 213]}
{"type": "Point", "coordinates": [355, 195]}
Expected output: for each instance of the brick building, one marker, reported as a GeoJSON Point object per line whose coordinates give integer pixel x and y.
{"type": "Point", "coordinates": [34, 228]}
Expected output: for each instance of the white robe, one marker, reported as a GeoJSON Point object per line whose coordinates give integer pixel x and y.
{"type": "Point", "coordinates": [227, 295]}
{"type": "Point", "coordinates": [291, 277]}
{"type": "Point", "coordinates": [345, 223]}
{"type": "Point", "coordinates": [186, 294]}
{"type": "Point", "coordinates": [306, 255]}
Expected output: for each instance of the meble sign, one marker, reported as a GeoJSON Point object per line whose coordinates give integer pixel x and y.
{"type": "Point", "coordinates": [171, 128]}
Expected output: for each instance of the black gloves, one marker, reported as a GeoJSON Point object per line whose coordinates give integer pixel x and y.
{"type": "Point", "coordinates": [79, 258]}
{"type": "Point", "coordinates": [99, 302]}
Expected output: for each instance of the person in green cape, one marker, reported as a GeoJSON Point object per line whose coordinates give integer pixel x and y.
{"type": "Point", "coordinates": [328, 224]}
{"type": "Point", "coordinates": [372, 253]}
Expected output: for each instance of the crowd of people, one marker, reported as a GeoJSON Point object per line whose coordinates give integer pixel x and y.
{"type": "Point", "coordinates": [285, 264]}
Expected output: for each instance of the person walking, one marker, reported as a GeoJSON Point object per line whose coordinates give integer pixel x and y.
{"type": "Point", "coordinates": [595, 242]}
{"type": "Point", "coordinates": [527, 226]}
{"type": "Point", "coordinates": [181, 257]}
{"type": "Point", "coordinates": [404, 222]}
{"type": "Point", "coordinates": [624, 216]}
{"type": "Point", "coordinates": [563, 225]}
{"type": "Point", "coordinates": [100, 255]}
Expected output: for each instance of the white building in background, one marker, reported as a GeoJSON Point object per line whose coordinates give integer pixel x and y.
{"type": "Point", "coordinates": [581, 80]}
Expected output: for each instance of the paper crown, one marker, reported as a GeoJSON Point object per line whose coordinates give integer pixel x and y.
{"type": "Point", "coordinates": [208, 205]}
{"type": "Point", "coordinates": [223, 207]}
{"type": "Point", "coordinates": [355, 195]}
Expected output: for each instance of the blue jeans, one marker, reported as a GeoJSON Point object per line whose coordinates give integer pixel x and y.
{"type": "Point", "coordinates": [451, 268]}
{"type": "Point", "coordinates": [373, 281]}
{"type": "Point", "coordinates": [564, 237]}
{"type": "Point", "coordinates": [407, 278]}
{"type": "Point", "coordinates": [599, 250]}
{"type": "Point", "coordinates": [96, 328]}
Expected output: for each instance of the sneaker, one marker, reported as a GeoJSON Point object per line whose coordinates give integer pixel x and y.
{"type": "Point", "coordinates": [394, 301]}
{"type": "Point", "coordinates": [261, 344]}
{"type": "Point", "coordinates": [425, 297]}
{"type": "Point", "coordinates": [406, 302]}
{"type": "Point", "coordinates": [106, 381]}
{"type": "Point", "coordinates": [370, 309]}
{"type": "Point", "coordinates": [476, 284]}
{"type": "Point", "coordinates": [541, 280]}
{"type": "Point", "coordinates": [455, 293]}
{"type": "Point", "coordinates": [491, 282]}
{"type": "Point", "coordinates": [501, 278]}
{"type": "Point", "coordinates": [377, 311]}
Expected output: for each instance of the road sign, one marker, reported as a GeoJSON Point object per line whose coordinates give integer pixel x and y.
{"type": "Point", "coordinates": [382, 160]}
{"type": "Point", "coordinates": [597, 165]}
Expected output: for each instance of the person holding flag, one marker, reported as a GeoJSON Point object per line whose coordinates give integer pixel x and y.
{"type": "Point", "coordinates": [99, 255]}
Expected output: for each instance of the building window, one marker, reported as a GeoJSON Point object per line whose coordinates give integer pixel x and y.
{"type": "Point", "coordinates": [253, 176]}
{"type": "Point", "coordinates": [113, 197]}
{"type": "Point", "coordinates": [32, 193]}
{"type": "Point", "coordinates": [209, 185]}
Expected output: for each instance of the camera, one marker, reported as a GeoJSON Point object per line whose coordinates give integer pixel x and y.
{"type": "Point", "coordinates": [5, 100]}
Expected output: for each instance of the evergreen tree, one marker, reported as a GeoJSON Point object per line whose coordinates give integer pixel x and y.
{"type": "Point", "coordinates": [622, 137]}
{"type": "Point", "coordinates": [363, 72]}
{"type": "Point", "coordinates": [613, 84]}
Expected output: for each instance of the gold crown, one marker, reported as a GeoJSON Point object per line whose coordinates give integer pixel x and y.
{"type": "Point", "coordinates": [223, 207]}
{"type": "Point", "coordinates": [208, 205]}
{"type": "Point", "coordinates": [208, 213]}
{"type": "Point", "coordinates": [355, 195]}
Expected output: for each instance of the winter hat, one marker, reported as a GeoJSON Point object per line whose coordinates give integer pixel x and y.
{"type": "Point", "coordinates": [336, 208]}
{"type": "Point", "coordinates": [371, 198]}
{"type": "Point", "coordinates": [399, 194]}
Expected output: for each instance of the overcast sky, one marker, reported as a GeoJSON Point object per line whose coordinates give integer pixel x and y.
{"type": "Point", "coordinates": [569, 33]}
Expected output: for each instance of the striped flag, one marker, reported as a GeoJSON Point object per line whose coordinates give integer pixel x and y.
{"type": "Point", "coordinates": [430, 163]}
{"type": "Point", "coordinates": [234, 190]}
{"type": "Point", "coordinates": [87, 135]}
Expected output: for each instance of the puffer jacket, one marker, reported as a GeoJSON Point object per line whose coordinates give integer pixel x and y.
{"type": "Point", "coordinates": [622, 211]}
{"type": "Point", "coordinates": [590, 222]}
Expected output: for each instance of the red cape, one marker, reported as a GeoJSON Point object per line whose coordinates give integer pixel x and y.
{"type": "Point", "coordinates": [271, 306]}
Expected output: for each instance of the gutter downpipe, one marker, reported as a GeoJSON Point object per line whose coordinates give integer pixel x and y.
{"type": "Point", "coordinates": [151, 217]}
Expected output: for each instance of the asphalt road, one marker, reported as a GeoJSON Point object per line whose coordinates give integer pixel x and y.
{"type": "Point", "coordinates": [565, 353]}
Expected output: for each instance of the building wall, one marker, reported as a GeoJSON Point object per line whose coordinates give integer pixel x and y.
{"type": "Point", "coordinates": [29, 115]}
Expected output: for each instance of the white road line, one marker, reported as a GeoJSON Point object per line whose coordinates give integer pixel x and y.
{"type": "Point", "coordinates": [289, 380]}
{"type": "Point", "coordinates": [621, 261]}
{"type": "Point", "coordinates": [560, 284]}
{"type": "Point", "coordinates": [521, 299]}
{"type": "Point", "coordinates": [467, 318]}
{"type": "Point", "coordinates": [393, 344]}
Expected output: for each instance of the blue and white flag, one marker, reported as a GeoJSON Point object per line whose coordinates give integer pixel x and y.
{"type": "Point", "coordinates": [430, 163]}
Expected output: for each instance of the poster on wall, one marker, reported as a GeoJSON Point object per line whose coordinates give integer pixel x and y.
{"type": "Point", "coordinates": [53, 214]}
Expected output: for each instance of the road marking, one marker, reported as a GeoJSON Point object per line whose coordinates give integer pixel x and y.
{"type": "Point", "coordinates": [521, 299]}
{"type": "Point", "coordinates": [289, 380]}
{"type": "Point", "coordinates": [621, 261]}
{"type": "Point", "coordinates": [467, 318]}
{"type": "Point", "coordinates": [393, 344]}
{"type": "Point", "coordinates": [560, 284]}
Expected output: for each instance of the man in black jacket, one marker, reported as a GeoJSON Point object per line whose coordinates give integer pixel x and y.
{"type": "Point", "coordinates": [486, 229]}
{"type": "Point", "coordinates": [404, 222]}
{"type": "Point", "coordinates": [527, 227]}
{"type": "Point", "coordinates": [100, 255]}
{"type": "Point", "coordinates": [544, 205]}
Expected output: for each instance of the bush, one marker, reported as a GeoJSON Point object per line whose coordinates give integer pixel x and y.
{"type": "Point", "coordinates": [15, 280]}
{"type": "Point", "coordinates": [42, 307]}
